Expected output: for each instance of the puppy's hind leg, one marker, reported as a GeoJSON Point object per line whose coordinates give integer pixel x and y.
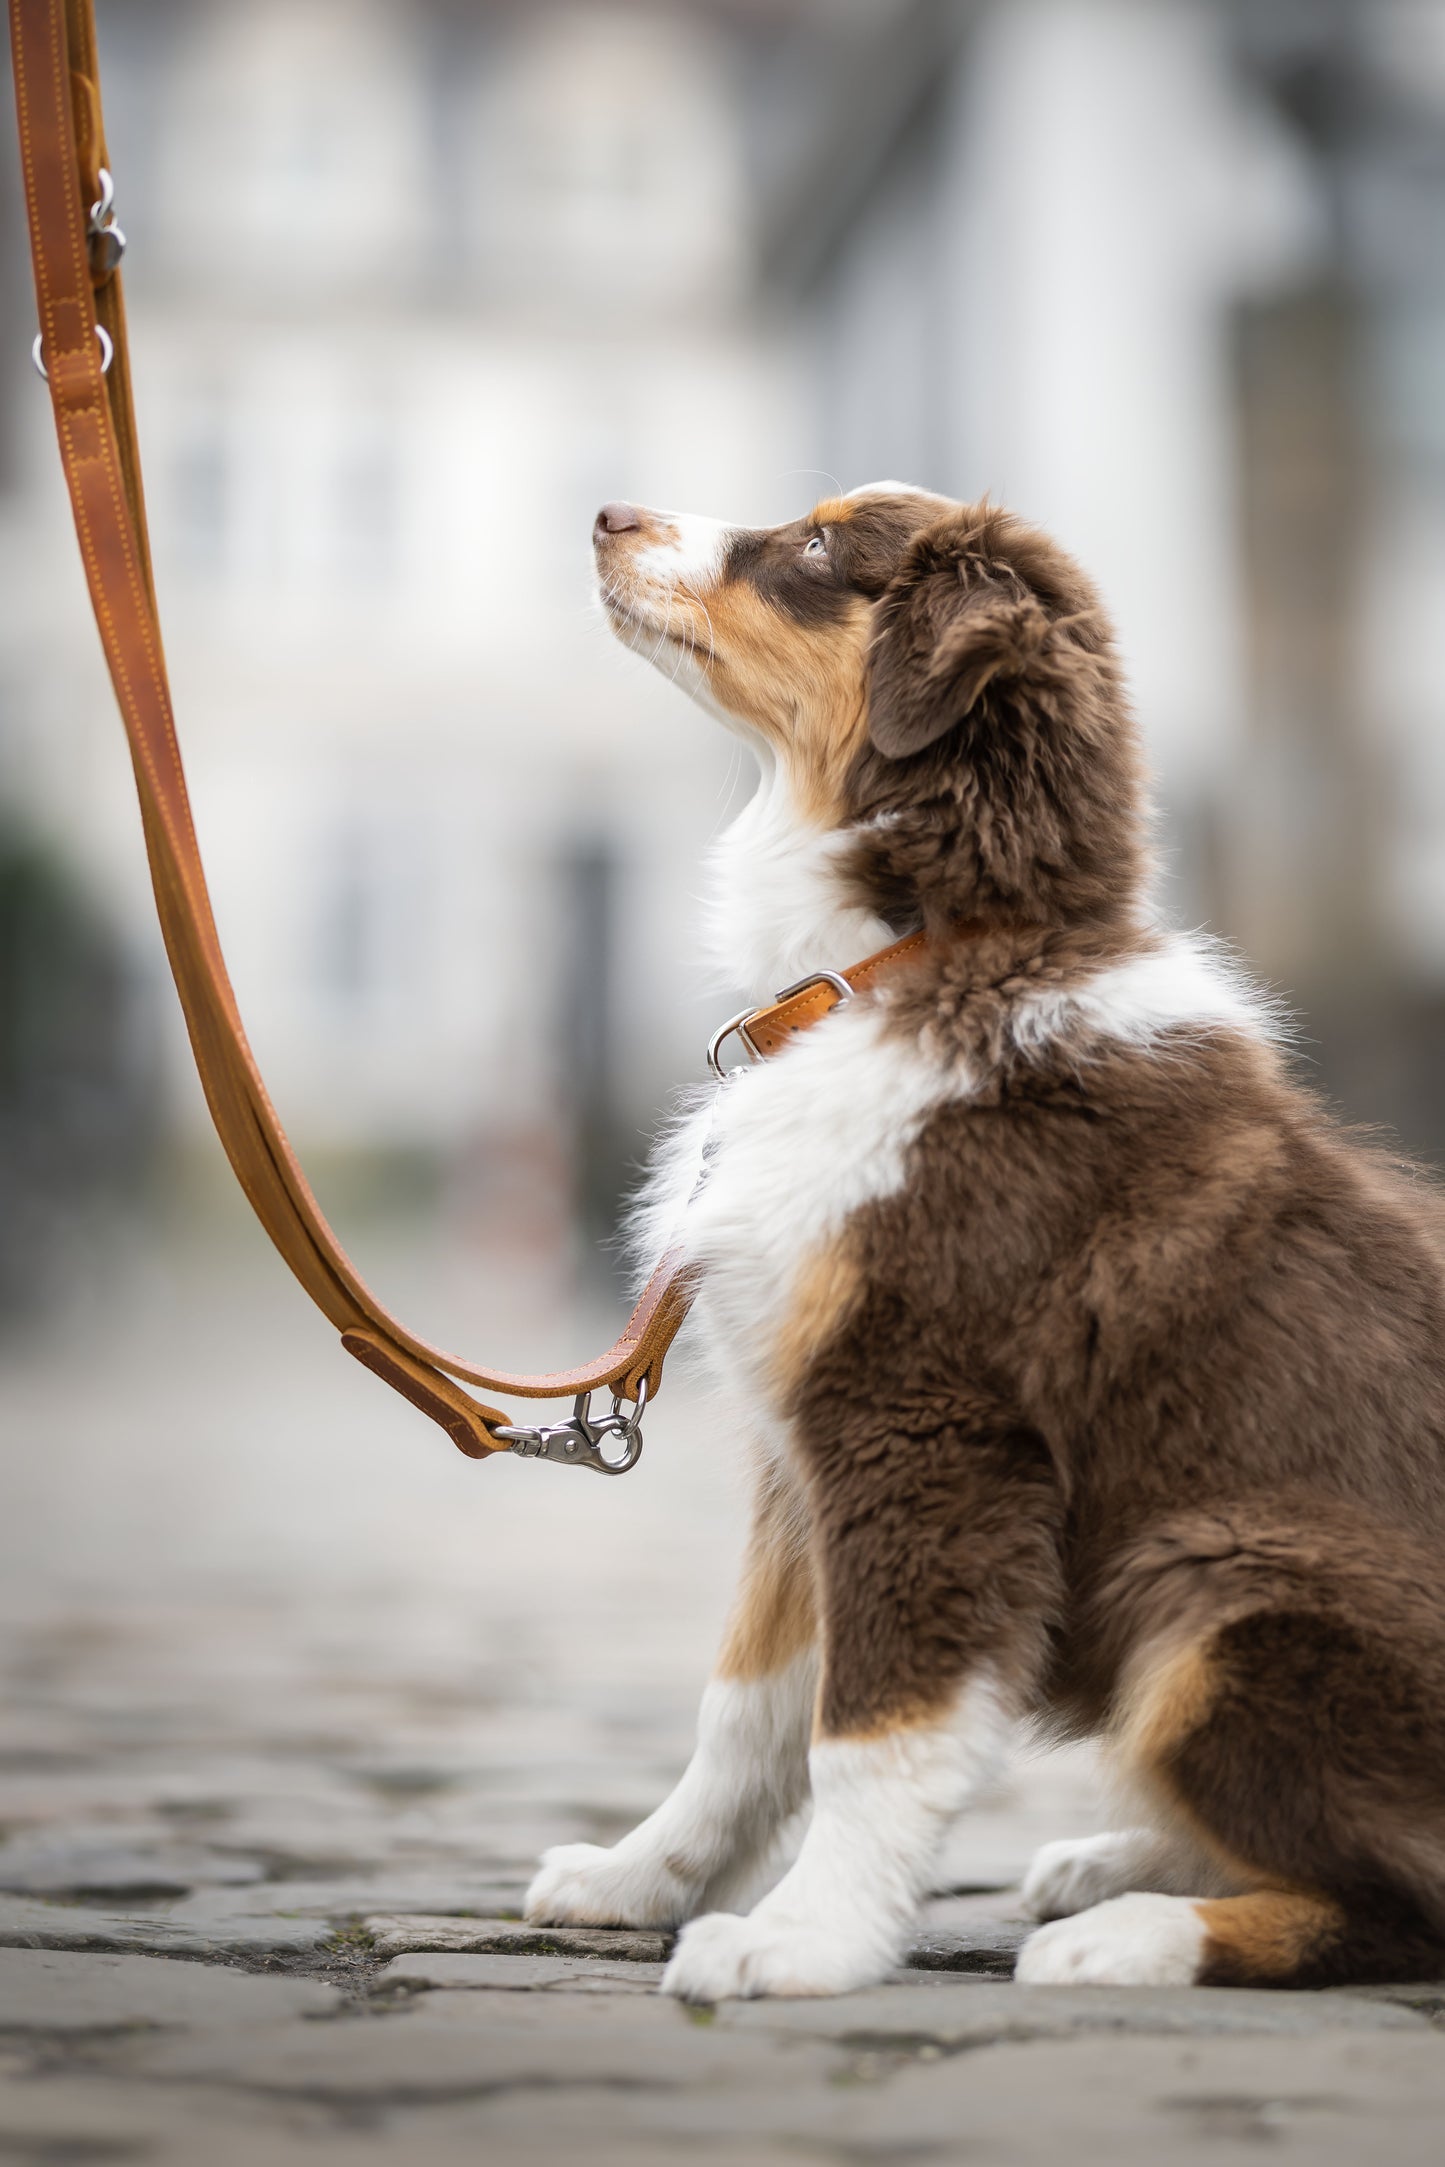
{"type": "Point", "coordinates": [1309, 1755]}
{"type": "Point", "coordinates": [748, 1774]}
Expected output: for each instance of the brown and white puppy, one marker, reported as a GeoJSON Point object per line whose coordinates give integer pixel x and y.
{"type": "Point", "coordinates": [1093, 1375]}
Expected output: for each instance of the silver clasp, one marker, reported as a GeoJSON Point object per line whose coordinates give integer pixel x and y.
{"type": "Point", "coordinates": [103, 236]}
{"type": "Point", "coordinates": [577, 1442]}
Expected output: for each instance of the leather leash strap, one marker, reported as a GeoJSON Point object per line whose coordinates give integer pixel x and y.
{"type": "Point", "coordinates": [62, 146]}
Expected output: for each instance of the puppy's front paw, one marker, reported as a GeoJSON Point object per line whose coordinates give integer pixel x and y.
{"type": "Point", "coordinates": [1072, 1876]}
{"type": "Point", "coordinates": [721, 1956]}
{"type": "Point", "coordinates": [1133, 1941]}
{"type": "Point", "coordinates": [584, 1884]}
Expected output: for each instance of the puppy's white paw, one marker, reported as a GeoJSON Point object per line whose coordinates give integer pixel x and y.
{"type": "Point", "coordinates": [584, 1884]}
{"type": "Point", "coordinates": [721, 1956]}
{"type": "Point", "coordinates": [1133, 1941]}
{"type": "Point", "coordinates": [1072, 1876]}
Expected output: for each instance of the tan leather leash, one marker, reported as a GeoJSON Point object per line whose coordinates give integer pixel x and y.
{"type": "Point", "coordinates": [81, 348]}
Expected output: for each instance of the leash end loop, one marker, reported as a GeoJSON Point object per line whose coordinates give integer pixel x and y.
{"type": "Point", "coordinates": [472, 1428]}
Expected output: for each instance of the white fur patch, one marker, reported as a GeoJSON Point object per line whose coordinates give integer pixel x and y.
{"type": "Point", "coordinates": [1184, 983]}
{"type": "Point", "coordinates": [1073, 1876]}
{"type": "Point", "coordinates": [900, 489]}
{"type": "Point", "coordinates": [1133, 1941]}
{"type": "Point", "coordinates": [889, 488]}
{"type": "Point", "coordinates": [711, 1837]}
{"type": "Point", "coordinates": [796, 1146]}
{"type": "Point", "coordinates": [840, 1916]}
{"type": "Point", "coordinates": [692, 550]}
{"type": "Point", "coordinates": [774, 911]}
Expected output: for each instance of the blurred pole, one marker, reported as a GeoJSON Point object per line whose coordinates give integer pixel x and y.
{"type": "Point", "coordinates": [1311, 878]}
{"type": "Point", "coordinates": [587, 1042]}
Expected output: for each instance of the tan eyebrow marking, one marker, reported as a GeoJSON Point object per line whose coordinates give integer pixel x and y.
{"type": "Point", "coordinates": [832, 512]}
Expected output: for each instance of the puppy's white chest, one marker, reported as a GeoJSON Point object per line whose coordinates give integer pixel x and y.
{"type": "Point", "coordinates": [790, 1149]}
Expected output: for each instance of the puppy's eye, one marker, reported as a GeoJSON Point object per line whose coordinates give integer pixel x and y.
{"type": "Point", "coordinates": [815, 546]}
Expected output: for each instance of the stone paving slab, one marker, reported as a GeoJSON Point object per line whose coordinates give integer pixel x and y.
{"type": "Point", "coordinates": [1114, 2101]}
{"type": "Point", "coordinates": [55, 1990]}
{"type": "Point", "coordinates": [102, 1871]}
{"type": "Point", "coordinates": [436, 2047]}
{"type": "Point", "coordinates": [1320, 2102]}
{"type": "Point", "coordinates": [503, 1937]}
{"type": "Point", "coordinates": [429, 1893]}
{"type": "Point", "coordinates": [986, 1946]}
{"type": "Point", "coordinates": [262, 1938]}
{"type": "Point", "coordinates": [91, 2119]}
{"type": "Point", "coordinates": [1425, 1996]}
{"type": "Point", "coordinates": [955, 2014]}
{"type": "Point", "coordinates": [97, 2121]}
{"type": "Point", "coordinates": [518, 1974]}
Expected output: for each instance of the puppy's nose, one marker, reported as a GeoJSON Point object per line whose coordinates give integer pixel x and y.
{"type": "Point", "coordinates": [616, 519]}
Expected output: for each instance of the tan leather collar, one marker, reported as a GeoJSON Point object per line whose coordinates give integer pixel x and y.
{"type": "Point", "coordinates": [768, 1029]}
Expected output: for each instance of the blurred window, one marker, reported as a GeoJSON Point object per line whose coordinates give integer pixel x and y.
{"type": "Point", "coordinates": [315, 113]}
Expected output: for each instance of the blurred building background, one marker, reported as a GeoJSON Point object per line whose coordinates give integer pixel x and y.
{"type": "Point", "coordinates": [415, 284]}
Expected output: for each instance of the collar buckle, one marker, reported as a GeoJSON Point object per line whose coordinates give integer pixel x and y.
{"type": "Point", "coordinates": [739, 1023]}
{"type": "Point", "coordinates": [835, 979]}
{"type": "Point", "coordinates": [715, 1044]}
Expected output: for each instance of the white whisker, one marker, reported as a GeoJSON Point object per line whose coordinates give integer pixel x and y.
{"type": "Point", "coordinates": [696, 599]}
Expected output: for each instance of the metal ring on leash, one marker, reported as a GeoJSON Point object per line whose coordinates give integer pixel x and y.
{"type": "Point", "coordinates": [107, 351]}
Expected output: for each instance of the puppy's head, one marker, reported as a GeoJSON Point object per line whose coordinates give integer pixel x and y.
{"type": "Point", "coordinates": [934, 680]}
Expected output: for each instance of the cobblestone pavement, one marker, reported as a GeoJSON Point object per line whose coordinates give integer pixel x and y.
{"type": "Point", "coordinates": [293, 1696]}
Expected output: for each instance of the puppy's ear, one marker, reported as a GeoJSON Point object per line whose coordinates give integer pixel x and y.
{"type": "Point", "coordinates": [951, 625]}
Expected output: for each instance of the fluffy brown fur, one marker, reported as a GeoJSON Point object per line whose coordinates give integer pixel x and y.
{"type": "Point", "coordinates": [1000, 752]}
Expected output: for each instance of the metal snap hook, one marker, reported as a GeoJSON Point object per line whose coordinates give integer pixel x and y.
{"type": "Point", "coordinates": [578, 1441]}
